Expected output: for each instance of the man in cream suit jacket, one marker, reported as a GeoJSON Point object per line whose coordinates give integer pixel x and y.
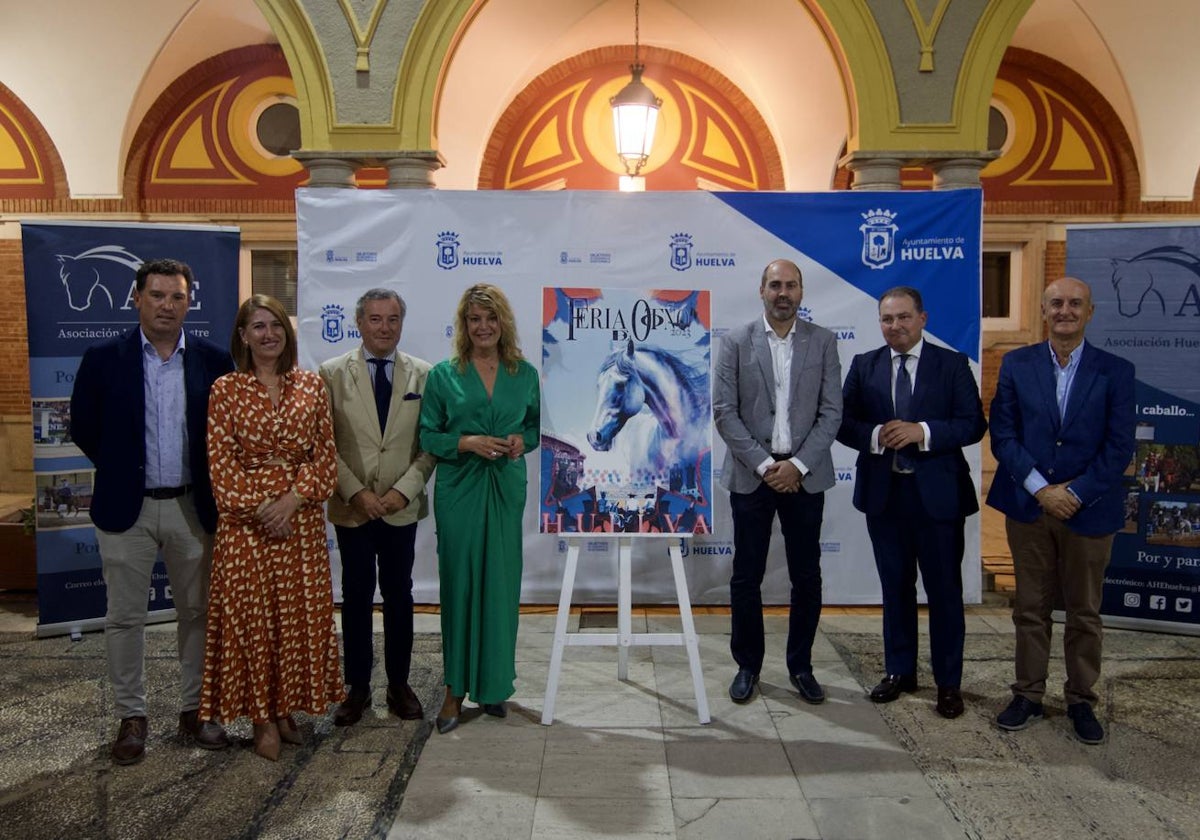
{"type": "Point", "coordinates": [375, 392]}
{"type": "Point", "coordinates": [777, 404]}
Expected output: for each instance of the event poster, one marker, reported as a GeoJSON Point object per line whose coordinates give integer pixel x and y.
{"type": "Point", "coordinates": [79, 283]}
{"type": "Point", "coordinates": [1145, 281]}
{"type": "Point", "coordinates": [626, 412]}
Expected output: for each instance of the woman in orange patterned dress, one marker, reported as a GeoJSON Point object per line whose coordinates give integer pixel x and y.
{"type": "Point", "coordinates": [271, 647]}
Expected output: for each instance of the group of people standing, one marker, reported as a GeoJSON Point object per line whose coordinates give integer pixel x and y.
{"type": "Point", "coordinates": [222, 464]}
{"type": "Point", "coordinates": [189, 441]}
{"type": "Point", "coordinates": [1062, 431]}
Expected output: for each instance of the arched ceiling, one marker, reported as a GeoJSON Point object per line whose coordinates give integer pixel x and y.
{"type": "Point", "coordinates": [89, 76]}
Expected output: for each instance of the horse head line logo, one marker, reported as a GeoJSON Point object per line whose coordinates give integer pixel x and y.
{"type": "Point", "coordinates": [100, 269]}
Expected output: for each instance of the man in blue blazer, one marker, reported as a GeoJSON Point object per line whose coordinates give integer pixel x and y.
{"type": "Point", "coordinates": [777, 405]}
{"type": "Point", "coordinates": [909, 408]}
{"type": "Point", "coordinates": [1063, 422]}
{"type": "Point", "coordinates": [139, 411]}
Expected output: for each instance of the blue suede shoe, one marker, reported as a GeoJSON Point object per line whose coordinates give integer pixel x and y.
{"type": "Point", "coordinates": [1087, 728]}
{"type": "Point", "coordinates": [1020, 713]}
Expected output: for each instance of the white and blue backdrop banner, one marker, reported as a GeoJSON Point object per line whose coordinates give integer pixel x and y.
{"type": "Point", "coordinates": [79, 282]}
{"type": "Point", "coordinates": [430, 245]}
{"type": "Point", "coordinates": [1145, 282]}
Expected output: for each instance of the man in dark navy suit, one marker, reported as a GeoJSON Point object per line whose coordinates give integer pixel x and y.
{"type": "Point", "coordinates": [1063, 422]}
{"type": "Point", "coordinates": [139, 411]}
{"type": "Point", "coordinates": [909, 408]}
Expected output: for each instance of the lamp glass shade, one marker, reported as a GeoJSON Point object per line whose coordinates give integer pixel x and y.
{"type": "Point", "coordinates": [635, 115]}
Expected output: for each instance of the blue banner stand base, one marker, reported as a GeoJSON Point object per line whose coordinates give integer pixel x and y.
{"type": "Point", "coordinates": [625, 638]}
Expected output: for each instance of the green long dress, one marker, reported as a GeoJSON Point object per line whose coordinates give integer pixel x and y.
{"type": "Point", "coordinates": [477, 505]}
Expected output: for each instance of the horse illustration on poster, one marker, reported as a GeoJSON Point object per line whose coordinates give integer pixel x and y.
{"type": "Point", "coordinates": [635, 380]}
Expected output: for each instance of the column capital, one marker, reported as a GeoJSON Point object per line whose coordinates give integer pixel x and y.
{"type": "Point", "coordinates": [874, 170]}
{"type": "Point", "coordinates": [952, 170]}
{"type": "Point", "coordinates": [328, 169]}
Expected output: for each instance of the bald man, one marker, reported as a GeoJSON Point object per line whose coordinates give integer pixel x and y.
{"type": "Point", "coordinates": [777, 404]}
{"type": "Point", "coordinates": [1062, 424]}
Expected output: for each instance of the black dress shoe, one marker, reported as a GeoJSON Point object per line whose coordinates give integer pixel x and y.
{"type": "Point", "coordinates": [891, 686]}
{"type": "Point", "coordinates": [742, 687]}
{"type": "Point", "coordinates": [810, 690]}
{"type": "Point", "coordinates": [350, 710]}
{"type": "Point", "coordinates": [403, 703]}
{"type": "Point", "coordinates": [206, 734]}
{"type": "Point", "coordinates": [499, 710]}
{"type": "Point", "coordinates": [949, 702]}
{"type": "Point", "coordinates": [445, 725]}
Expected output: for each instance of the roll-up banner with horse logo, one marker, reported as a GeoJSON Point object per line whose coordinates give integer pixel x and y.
{"type": "Point", "coordinates": [79, 283]}
{"type": "Point", "coordinates": [693, 260]}
{"type": "Point", "coordinates": [1145, 282]}
{"type": "Point", "coordinates": [626, 412]}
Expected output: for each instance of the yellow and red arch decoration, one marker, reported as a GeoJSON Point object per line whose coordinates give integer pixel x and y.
{"type": "Point", "coordinates": [1066, 150]}
{"type": "Point", "coordinates": [29, 164]}
{"type": "Point", "coordinates": [557, 133]}
{"type": "Point", "coordinates": [199, 141]}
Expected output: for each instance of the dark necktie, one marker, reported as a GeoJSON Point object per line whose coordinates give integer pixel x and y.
{"type": "Point", "coordinates": [903, 401]}
{"type": "Point", "coordinates": [383, 391]}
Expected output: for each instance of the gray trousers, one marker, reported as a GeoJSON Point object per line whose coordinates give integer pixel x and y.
{"type": "Point", "coordinates": [169, 525]}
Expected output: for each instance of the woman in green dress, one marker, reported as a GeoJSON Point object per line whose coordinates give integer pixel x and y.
{"type": "Point", "coordinates": [479, 416]}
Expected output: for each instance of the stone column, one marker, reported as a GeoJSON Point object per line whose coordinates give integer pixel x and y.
{"type": "Point", "coordinates": [412, 169]}
{"type": "Point", "coordinates": [957, 170]}
{"type": "Point", "coordinates": [874, 170]}
{"type": "Point", "coordinates": [328, 169]}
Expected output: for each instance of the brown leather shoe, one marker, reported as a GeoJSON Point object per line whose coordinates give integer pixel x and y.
{"type": "Point", "coordinates": [266, 740]}
{"type": "Point", "coordinates": [130, 746]}
{"type": "Point", "coordinates": [403, 703]}
{"type": "Point", "coordinates": [350, 710]}
{"type": "Point", "coordinates": [206, 734]}
{"type": "Point", "coordinates": [949, 702]}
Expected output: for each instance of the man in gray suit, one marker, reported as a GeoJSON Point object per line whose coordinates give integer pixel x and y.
{"type": "Point", "coordinates": [777, 402]}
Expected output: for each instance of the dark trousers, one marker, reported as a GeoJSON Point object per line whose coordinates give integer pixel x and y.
{"type": "Point", "coordinates": [363, 549]}
{"type": "Point", "coordinates": [904, 539]}
{"type": "Point", "coordinates": [800, 521]}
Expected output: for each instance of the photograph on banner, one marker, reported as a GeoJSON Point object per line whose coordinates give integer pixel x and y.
{"type": "Point", "coordinates": [64, 499]}
{"type": "Point", "coordinates": [626, 411]}
{"type": "Point", "coordinates": [1145, 282]}
{"type": "Point", "coordinates": [52, 429]}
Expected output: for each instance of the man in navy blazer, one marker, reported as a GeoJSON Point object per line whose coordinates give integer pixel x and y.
{"type": "Point", "coordinates": [1063, 422]}
{"type": "Point", "coordinates": [139, 411]}
{"type": "Point", "coordinates": [909, 408]}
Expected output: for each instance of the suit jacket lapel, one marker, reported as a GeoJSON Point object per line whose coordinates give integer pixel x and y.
{"type": "Point", "coordinates": [399, 383]}
{"type": "Point", "coordinates": [1085, 376]}
{"type": "Point", "coordinates": [1043, 377]}
{"type": "Point", "coordinates": [137, 377]}
{"type": "Point", "coordinates": [928, 368]}
{"type": "Point", "coordinates": [762, 353]}
{"type": "Point", "coordinates": [361, 378]}
{"type": "Point", "coordinates": [879, 384]}
{"type": "Point", "coordinates": [800, 345]}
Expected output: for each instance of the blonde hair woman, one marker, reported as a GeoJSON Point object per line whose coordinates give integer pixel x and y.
{"type": "Point", "coordinates": [479, 417]}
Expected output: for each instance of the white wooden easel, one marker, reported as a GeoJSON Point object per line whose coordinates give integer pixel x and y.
{"type": "Point", "coordinates": [625, 638]}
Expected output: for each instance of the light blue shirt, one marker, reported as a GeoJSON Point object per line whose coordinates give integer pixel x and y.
{"type": "Point", "coordinates": [1064, 378]}
{"type": "Point", "coordinates": [167, 463]}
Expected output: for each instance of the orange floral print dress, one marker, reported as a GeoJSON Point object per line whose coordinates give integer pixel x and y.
{"type": "Point", "coordinates": [271, 647]}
